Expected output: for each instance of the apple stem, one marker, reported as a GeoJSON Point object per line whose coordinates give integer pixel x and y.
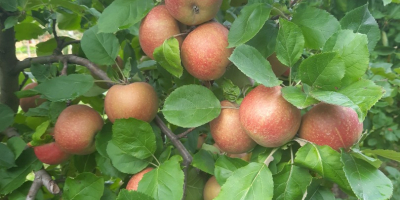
{"type": "Point", "coordinates": [291, 155]}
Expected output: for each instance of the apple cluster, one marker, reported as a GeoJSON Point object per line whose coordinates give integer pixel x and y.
{"type": "Point", "coordinates": [204, 51]}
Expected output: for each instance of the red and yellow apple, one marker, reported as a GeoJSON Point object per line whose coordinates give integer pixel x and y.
{"type": "Point", "coordinates": [155, 28]}
{"type": "Point", "coordinates": [51, 154]}
{"type": "Point", "coordinates": [30, 102]}
{"type": "Point", "coordinates": [211, 189]}
{"type": "Point", "coordinates": [227, 132]}
{"type": "Point", "coordinates": [204, 51]}
{"type": "Point", "coordinates": [332, 125]}
{"type": "Point", "coordinates": [137, 100]}
{"type": "Point", "coordinates": [193, 12]}
{"type": "Point", "coordinates": [133, 183]}
{"type": "Point", "coordinates": [76, 128]}
{"type": "Point", "coordinates": [268, 118]}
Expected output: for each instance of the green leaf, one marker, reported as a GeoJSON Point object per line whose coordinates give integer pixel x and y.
{"type": "Point", "coordinates": [21, 192]}
{"type": "Point", "coordinates": [124, 161]}
{"type": "Point", "coordinates": [10, 21]}
{"type": "Point", "coordinates": [41, 111]}
{"type": "Point", "coordinates": [393, 155]}
{"type": "Point", "coordinates": [254, 65]}
{"type": "Point", "coordinates": [123, 13]}
{"type": "Point", "coordinates": [46, 48]}
{"type": "Point", "coordinates": [297, 97]}
{"type": "Point", "coordinates": [26, 93]}
{"type": "Point", "coordinates": [7, 159]}
{"type": "Point", "coordinates": [17, 145]}
{"type": "Point", "coordinates": [157, 183]}
{"type": "Point", "coordinates": [135, 136]}
{"type": "Point", "coordinates": [39, 137]}
{"type": "Point", "coordinates": [289, 43]}
{"type": "Point", "coordinates": [55, 110]}
{"type": "Point", "coordinates": [169, 57]}
{"type": "Point", "coordinates": [27, 31]}
{"type": "Point", "coordinates": [360, 20]}
{"type": "Point", "coordinates": [291, 182]}
{"type": "Point", "coordinates": [322, 71]}
{"type": "Point", "coordinates": [101, 48]}
{"type": "Point", "coordinates": [317, 25]}
{"type": "Point", "coordinates": [372, 161]}
{"type": "Point", "coordinates": [65, 88]}
{"type": "Point", "coordinates": [13, 178]}
{"type": "Point", "coordinates": [191, 106]}
{"type": "Point", "coordinates": [353, 49]}
{"type": "Point", "coordinates": [225, 167]}
{"type": "Point", "coordinates": [230, 90]}
{"type": "Point", "coordinates": [106, 168]}
{"type": "Point", "coordinates": [367, 182]}
{"type": "Point", "coordinates": [204, 160]}
{"type": "Point", "coordinates": [85, 163]}
{"type": "Point", "coordinates": [102, 139]}
{"type": "Point", "coordinates": [248, 183]}
{"type": "Point", "coordinates": [68, 21]}
{"type": "Point", "coordinates": [195, 184]}
{"type": "Point", "coordinates": [165, 154]}
{"type": "Point", "coordinates": [265, 39]}
{"type": "Point", "coordinates": [9, 5]}
{"type": "Point", "coordinates": [6, 117]}
{"type": "Point", "coordinates": [132, 195]}
{"type": "Point", "coordinates": [85, 186]}
{"type": "Point", "coordinates": [317, 192]}
{"type": "Point", "coordinates": [325, 161]}
{"type": "Point", "coordinates": [251, 19]}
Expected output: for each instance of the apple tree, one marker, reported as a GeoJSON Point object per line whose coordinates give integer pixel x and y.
{"type": "Point", "coordinates": [200, 99]}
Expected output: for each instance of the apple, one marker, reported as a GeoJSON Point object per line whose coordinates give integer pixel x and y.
{"type": "Point", "coordinates": [211, 189]}
{"type": "Point", "coordinates": [268, 118]}
{"type": "Point", "coordinates": [134, 181]}
{"type": "Point", "coordinates": [30, 102]}
{"type": "Point", "coordinates": [243, 156]}
{"type": "Point", "coordinates": [155, 28]}
{"type": "Point", "coordinates": [193, 12]}
{"type": "Point", "coordinates": [51, 154]}
{"type": "Point", "coordinates": [286, 73]}
{"type": "Point", "coordinates": [332, 125]}
{"type": "Point", "coordinates": [277, 67]}
{"type": "Point", "coordinates": [227, 132]}
{"type": "Point", "coordinates": [76, 128]}
{"type": "Point", "coordinates": [204, 53]}
{"type": "Point", "coordinates": [200, 141]}
{"type": "Point", "coordinates": [137, 100]}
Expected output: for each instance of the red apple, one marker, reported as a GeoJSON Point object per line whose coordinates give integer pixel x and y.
{"type": "Point", "coordinates": [137, 100]}
{"type": "Point", "coordinates": [155, 28]}
{"type": "Point", "coordinates": [268, 118]}
{"type": "Point", "coordinates": [133, 183]}
{"type": "Point", "coordinates": [204, 53]}
{"type": "Point", "coordinates": [227, 132]}
{"type": "Point", "coordinates": [211, 189]}
{"type": "Point", "coordinates": [51, 154]}
{"type": "Point", "coordinates": [286, 73]}
{"type": "Point", "coordinates": [277, 67]}
{"type": "Point", "coordinates": [332, 125]}
{"type": "Point", "coordinates": [30, 102]}
{"type": "Point", "coordinates": [193, 12]}
{"type": "Point", "coordinates": [76, 128]}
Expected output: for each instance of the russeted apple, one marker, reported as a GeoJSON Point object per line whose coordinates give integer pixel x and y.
{"type": "Point", "coordinates": [268, 118]}
{"type": "Point", "coordinates": [155, 28]}
{"type": "Point", "coordinates": [227, 132]}
{"type": "Point", "coordinates": [76, 128]}
{"type": "Point", "coordinates": [137, 100]}
{"type": "Point", "coordinates": [51, 154]}
{"type": "Point", "coordinates": [204, 54]}
{"type": "Point", "coordinates": [332, 125]}
{"type": "Point", "coordinates": [134, 181]}
{"type": "Point", "coordinates": [30, 102]}
{"type": "Point", "coordinates": [211, 189]}
{"type": "Point", "coordinates": [193, 12]}
{"type": "Point", "coordinates": [277, 67]}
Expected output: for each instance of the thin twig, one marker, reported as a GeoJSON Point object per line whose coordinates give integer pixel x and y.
{"type": "Point", "coordinates": [183, 134]}
{"type": "Point", "coordinates": [187, 158]}
{"type": "Point", "coordinates": [65, 67]}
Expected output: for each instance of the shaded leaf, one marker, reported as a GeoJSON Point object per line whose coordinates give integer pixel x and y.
{"type": "Point", "coordinates": [225, 167]}
{"type": "Point", "coordinates": [85, 186]}
{"type": "Point", "coordinates": [6, 117]}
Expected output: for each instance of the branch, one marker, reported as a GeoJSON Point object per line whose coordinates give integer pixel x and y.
{"type": "Point", "coordinates": [26, 63]}
{"type": "Point", "coordinates": [183, 134]}
{"type": "Point", "coordinates": [42, 178]}
{"type": "Point", "coordinates": [187, 158]}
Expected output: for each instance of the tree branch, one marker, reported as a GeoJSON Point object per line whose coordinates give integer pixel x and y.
{"type": "Point", "coordinates": [42, 178]}
{"type": "Point", "coordinates": [183, 134]}
{"type": "Point", "coordinates": [26, 63]}
{"type": "Point", "coordinates": [187, 158]}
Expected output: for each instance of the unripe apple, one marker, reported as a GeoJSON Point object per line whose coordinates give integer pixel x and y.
{"type": "Point", "coordinates": [134, 181]}
{"type": "Point", "coordinates": [204, 53]}
{"type": "Point", "coordinates": [332, 125]}
{"type": "Point", "coordinates": [137, 100]}
{"type": "Point", "coordinates": [76, 128]}
{"type": "Point", "coordinates": [268, 118]}
{"type": "Point", "coordinates": [155, 28]}
{"type": "Point", "coordinates": [193, 12]}
{"type": "Point", "coordinates": [51, 154]}
{"type": "Point", "coordinates": [30, 102]}
{"type": "Point", "coordinates": [277, 67]}
{"type": "Point", "coordinates": [211, 189]}
{"type": "Point", "coordinates": [227, 132]}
